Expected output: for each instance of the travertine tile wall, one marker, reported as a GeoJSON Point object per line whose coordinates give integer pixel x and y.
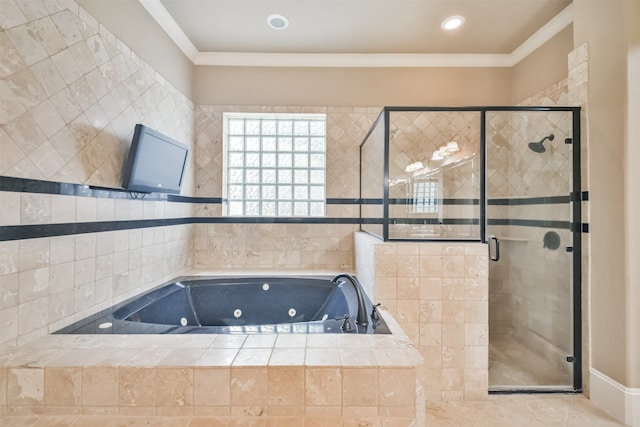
{"type": "Point", "coordinates": [346, 128]}
{"type": "Point", "coordinates": [275, 246]}
{"type": "Point", "coordinates": [281, 246]}
{"type": "Point", "coordinates": [70, 95]}
{"type": "Point", "coordinates": [438, 293]}
{"type": "Point", "coordinates": [414, 136]}
{"type": "Point", "coordinates": [48, 283]}
{"type": "Point", "coordinates": [530, 287]}
{"type": "Point", "coordinates": [459, 181]}
{"type": "Point", "coordinates": [515, 170]}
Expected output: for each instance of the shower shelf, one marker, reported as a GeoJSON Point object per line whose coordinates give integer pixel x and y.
{"type": "Point", "coordinates": [513, 239]}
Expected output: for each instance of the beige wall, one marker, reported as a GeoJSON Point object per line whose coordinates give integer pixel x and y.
{"type": "Point", "coordinates": [132, 24]}
{"type": "Point", "coordinates": [632, 178]}
{"type": "Point", "coordinates": [542, 68]}
{"type": "Point", "coordinates": [339, 87]}
{"type": "Point", "coordinates": [598, 24]}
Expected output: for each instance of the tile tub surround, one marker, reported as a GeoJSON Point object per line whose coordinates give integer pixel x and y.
{"type": "Point", "coordinates": [275, 246]}
{"type": "Point", "coordinates": [280, 246]}
{"type": "Point", "coordinates": [50, 282]}
{"type": "Point", "coordinates": [257, 377]}
{"type": "Point", "coordinates": [346, 128]}
{"type": "Point", "coordinates": [71, 94]}
{"type": "Point", "coordinates": [438, 294]}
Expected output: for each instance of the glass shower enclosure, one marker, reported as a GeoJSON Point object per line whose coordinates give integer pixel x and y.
{"type": "Point", "coordinates": [508, 177]}
{"type": "Point", "coordinates": [425, 183]}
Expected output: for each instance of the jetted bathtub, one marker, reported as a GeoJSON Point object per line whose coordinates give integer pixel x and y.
{"type": "Point", "coordinates": [223, 305]}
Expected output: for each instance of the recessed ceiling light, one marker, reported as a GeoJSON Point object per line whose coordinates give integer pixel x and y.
{"type": "Point", "coordinates": [277, 22]}
{"type": "Point", "coordinates": [452, 22]}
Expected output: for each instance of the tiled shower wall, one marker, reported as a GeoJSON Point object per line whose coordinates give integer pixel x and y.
{"type": "Point", "coordinates": [530, 287]}
{"type": "Point", "coordinates": [327, 246]}
{"type": "Point", "coordinates": [71, 94]}
{"type": "Point", "coordinates": [414, 136]}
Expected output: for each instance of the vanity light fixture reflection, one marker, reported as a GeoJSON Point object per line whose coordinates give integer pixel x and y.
{"type": "Point", "coordinates": [445, 151]}
{"type": "Point", "coordinates": [412, 167]}
{"type": "Point", "coordinates": [437, 155]}
{"type": "Point", "coordinates": [452, 147]}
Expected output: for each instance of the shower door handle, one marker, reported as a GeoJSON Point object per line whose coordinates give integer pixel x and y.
{"type": "Point", "coordinates": [495, 258]}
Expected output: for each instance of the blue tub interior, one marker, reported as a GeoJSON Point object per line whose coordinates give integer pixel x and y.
{"type": "Point", "coordinates": [235, 305]}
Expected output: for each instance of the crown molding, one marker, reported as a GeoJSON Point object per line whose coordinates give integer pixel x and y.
{"type": "Point", "coordinates": [338, 60]}
{"type": "Point", "coordinates": [171, 27]}
{"type": "Point", "coordinates": [316, 60]}
{"type": "Point", "coordinates": [558, 23]}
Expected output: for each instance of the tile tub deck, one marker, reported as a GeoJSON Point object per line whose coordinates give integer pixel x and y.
{"type": "Point", "coordinates": [255, 377]}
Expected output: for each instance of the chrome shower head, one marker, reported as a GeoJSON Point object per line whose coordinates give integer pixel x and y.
{"type": "Point", "coordinates": [538, 147]}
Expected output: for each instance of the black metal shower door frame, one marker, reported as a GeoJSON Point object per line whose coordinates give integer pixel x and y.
{"type": "Point", "coordinates": [576, 197]}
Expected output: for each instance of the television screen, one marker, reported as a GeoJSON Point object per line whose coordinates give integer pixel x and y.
{"type": "Point", "coordinates": [156, 163]}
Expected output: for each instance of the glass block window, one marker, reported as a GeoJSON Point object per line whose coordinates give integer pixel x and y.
{"type": "Point", "coordinates": [425, 196]}
{"type": "Point", "coordinates": [275, 164]}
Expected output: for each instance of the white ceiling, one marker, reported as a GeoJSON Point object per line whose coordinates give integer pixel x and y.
{"type": "Point", "coordinates": [359, 32]}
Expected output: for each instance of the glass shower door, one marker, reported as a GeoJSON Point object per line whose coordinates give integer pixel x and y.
{"type": "Point", "coordinates": [529, 229]}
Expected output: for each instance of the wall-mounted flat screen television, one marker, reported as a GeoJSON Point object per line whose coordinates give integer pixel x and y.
{"type": "Point", "coordinates": [156, 162]}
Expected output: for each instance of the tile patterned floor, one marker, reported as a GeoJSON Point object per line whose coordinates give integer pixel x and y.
{"type": "Point", "coordinates": [520, 411]}
{"type": "Point", "coordinates": [497, 411]}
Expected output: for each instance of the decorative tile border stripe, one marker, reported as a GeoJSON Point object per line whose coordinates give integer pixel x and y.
{"type": "Point", "coordinates": [530, 201]}
{"type": "Point", "coordinates": [410, 201]}
{"type": "Point", "coordinates": [25, 185]}
{"type": "Point", "coordinates": [34, 231]}
{"type": "Point", "coordinates": [404, 201]}
{"type": "Point", "coordinates": [435, 221]}
{"type": "Point", "coordinates": [198, 200]}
